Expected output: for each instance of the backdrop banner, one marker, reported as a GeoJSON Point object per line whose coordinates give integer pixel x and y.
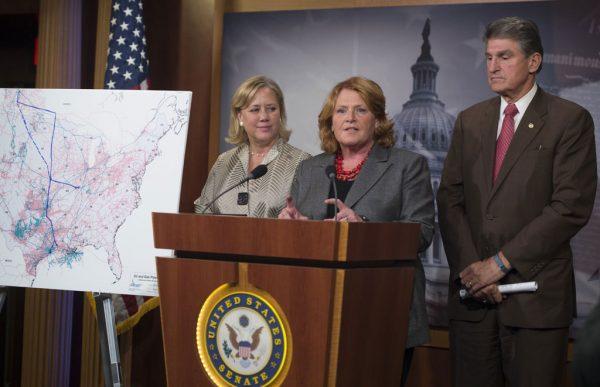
{"type": "Point", "coordinates": [308, 52]}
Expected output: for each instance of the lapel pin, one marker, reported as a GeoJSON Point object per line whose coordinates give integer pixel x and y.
{"type": "Point", "coordinates": [531, 125]}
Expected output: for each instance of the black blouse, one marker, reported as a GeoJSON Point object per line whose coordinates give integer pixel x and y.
{"type": "Point", "coordinates": [343, 187]}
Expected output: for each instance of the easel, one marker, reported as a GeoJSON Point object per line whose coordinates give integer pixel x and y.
{"type": "Point", "coordinates": [109, 346]}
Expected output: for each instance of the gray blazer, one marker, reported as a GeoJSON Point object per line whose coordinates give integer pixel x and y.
{"type": "Point", "coordinates": [393, 185]}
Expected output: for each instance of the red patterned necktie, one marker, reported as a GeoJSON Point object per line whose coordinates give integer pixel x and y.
{"type": "Point", "coordinates": [506, 135]}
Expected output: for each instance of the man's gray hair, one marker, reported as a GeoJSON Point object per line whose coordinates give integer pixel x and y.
{"type": "Point", "coordinates": [523, 31]}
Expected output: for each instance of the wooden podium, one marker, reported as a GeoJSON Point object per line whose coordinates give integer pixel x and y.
{"type": "Point", "coordinates": [345, 288]}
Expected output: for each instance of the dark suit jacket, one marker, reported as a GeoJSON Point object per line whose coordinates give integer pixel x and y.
{"type": "Point", "coordinates": [393, 185]}
{"type": "Point", "coordinates": [543, 195]}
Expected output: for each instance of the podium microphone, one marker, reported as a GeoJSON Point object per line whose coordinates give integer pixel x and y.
{"type": "Point", "coordinates": [254, 174]}
{"type": "Point", "coordinates": [330, 172]}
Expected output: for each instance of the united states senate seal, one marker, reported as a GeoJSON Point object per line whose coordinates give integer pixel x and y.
{"type": "Point", "coordinates": [243, 337]}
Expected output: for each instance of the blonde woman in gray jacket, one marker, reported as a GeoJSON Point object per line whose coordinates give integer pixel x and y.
{"type": "Point", "coordinates": [258, 129]}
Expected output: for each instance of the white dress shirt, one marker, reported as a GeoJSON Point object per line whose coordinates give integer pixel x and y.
{"type": "Point", "coordinates": [522, 105]}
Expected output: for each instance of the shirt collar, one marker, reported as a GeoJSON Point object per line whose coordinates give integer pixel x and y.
{"type": "Point", "coordinates": [522, 103]}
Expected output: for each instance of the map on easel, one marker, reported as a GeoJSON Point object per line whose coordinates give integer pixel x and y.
{"type": "Point", "coordinates": [80, 173]}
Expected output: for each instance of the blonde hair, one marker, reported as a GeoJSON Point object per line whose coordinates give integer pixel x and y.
{"type": "Point", "coordinates": [241, 99]}
{"type": "Point", "coordinates": [373, 96]}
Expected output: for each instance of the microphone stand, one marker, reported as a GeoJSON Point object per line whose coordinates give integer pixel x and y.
{"type": "Point", "coordinates": [209, 205]}
{"type": "Point", "coordinates": [335, 195]}
{"type": "Point", "coordinates": [330, 171]}
{"type": "Point", "coordinates": [257, 172]}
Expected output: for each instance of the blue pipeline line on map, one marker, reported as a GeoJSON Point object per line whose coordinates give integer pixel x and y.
{"type": "Point", "coordinates": [48, 167]}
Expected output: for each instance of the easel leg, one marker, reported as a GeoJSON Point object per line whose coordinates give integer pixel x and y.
{"type": "Point", "coordinates": [109, 346]}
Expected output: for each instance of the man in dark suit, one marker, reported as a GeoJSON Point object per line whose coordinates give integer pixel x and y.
{"type": "Point", "coordinates": [518, 183]}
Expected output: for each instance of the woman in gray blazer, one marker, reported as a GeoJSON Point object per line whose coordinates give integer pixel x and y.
{"type": "Point", "coordinates": [258, 128]}
{"type": "Point", "coordinates": [375, 181]}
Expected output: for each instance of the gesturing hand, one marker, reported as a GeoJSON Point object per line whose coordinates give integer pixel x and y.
{"type": "Point", "coordinates": [290, 211]}
{"type": "Point", "coordinates": [345, 213]}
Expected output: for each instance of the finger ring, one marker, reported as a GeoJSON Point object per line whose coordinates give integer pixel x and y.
{"type": "Point", "coordinates": [469, 284]}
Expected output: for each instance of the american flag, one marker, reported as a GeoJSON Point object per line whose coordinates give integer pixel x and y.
{"type": "Point", "coordinates": [127, 61]}
{"type": "Point", "coordinates": [127, 68]}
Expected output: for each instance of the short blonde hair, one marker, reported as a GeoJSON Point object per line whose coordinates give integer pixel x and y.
{"type": "Point", "coordinates": [373, 96]}
{"type": "Point", "coordinates": [242, 98]}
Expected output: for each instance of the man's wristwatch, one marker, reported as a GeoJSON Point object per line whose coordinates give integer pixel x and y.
{"type": "Point", "coordinates": [500, 264]}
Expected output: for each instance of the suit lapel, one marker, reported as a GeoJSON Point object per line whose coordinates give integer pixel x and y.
{"type": "Point", "coordinates": [488, 140]}
{"type": "Point", "coordinates": [528, 128]}
{"type": "Point", "coordinates": [320, 186]}
{"type": "Point", "coordinates": [372, 170]}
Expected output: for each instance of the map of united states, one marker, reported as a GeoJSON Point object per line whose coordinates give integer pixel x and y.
{"type": "Point", "coordinates": [72, 165]}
